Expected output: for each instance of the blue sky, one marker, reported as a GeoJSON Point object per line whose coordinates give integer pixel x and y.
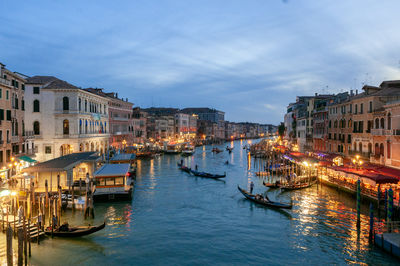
{"type": "Point", "coordinates": [247, 58]}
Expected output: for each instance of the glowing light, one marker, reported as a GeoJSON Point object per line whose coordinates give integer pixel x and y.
{"type": "Point", "coordinates": [12, 159]}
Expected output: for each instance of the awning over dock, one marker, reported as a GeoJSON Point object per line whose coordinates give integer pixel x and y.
{"type": "Point", "coordinates": [63, 163]}
{"type": "Point", "coordinates": [376, 176]}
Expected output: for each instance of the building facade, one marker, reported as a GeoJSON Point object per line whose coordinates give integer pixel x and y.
{"type": "Point", "coordinates": [64, 118]}
{"type": "Point", "coordinates": [13, 140]}
{"type": "Point", "coordinates": [120, 119]}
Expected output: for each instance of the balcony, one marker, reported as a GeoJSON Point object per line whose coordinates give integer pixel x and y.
{"type": "Point", "coordinates": [5, 82]}
{"type": "Point", "coordinates": [396, 132]}
{"type": "Point", "coordinates": [14, 139]}
{"type": "Point", "coordinates": [29, 134]}
{"type": "Point", "coordinates": [380, 132]}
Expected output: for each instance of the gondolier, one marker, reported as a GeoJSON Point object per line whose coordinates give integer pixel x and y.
{"type": "Point", "coordinates": [251, 187]}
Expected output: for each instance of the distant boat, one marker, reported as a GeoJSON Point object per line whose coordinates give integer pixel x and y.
{"type": "Point", "coordinates": [188, 151]}
{"type": "Point", "coordinates": [216, 150]}
{"type": "Point", "coordinates": [297, 185]}
{"type": "Point", "coordinates": [184, 168]}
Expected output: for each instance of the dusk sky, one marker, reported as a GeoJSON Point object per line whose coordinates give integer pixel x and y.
{"type": "Point", "coordinates": [247, 58]}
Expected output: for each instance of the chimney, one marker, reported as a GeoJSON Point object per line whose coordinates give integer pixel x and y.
{"type": "Point", "coordinates": [356, 92]}
{"type": "Point", "coordinates": [116, 95]}
{"type": "Point", "coordinates": [316, 94]}
{"type": "Point", "coordinates": [351, 93]}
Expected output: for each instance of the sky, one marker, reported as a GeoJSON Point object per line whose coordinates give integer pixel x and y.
{"type": "Point", "coordinates": [249, 58]}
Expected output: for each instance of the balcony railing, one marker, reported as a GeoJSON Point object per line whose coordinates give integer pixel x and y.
{"type": "Point", "coordinates": [14, 139]}
{"type": "Point", "coordinates": [5, 82]}
{"type": "Point", "coordinates": [29, 134]}
{"type": "Point", "coordinates": [380, 132]}
{"type": "Point", "coordinates": [396, 132]}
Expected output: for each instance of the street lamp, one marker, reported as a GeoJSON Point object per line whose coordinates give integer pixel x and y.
{"type": "Point", "coordinates": [357, 162]}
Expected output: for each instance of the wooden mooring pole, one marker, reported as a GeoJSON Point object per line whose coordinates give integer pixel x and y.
{"type": "Point", "coordinates": [9, 235]}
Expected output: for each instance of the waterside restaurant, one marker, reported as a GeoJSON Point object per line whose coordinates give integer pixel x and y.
{"type": "Point", "coordinates": [69, 168]}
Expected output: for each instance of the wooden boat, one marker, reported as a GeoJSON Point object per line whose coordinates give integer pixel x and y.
{"type": "Point", "coordinates": [229, 149]}
{"type": "Point", "coordinates": [272, 185]}
{"type": "Point", "coordinates": [184, 168]}
{"type": "Point", "coordinates": [75, 231]}
{"type": "Point", "coordinates": [187, 152]}
{"type": "Point", "coordinates": [296, 186]}
{"type": "Point", "coordinates": [262, 201]}
{"type": "Point", "coordinates": [207, 175]}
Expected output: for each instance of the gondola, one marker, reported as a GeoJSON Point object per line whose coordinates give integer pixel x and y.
{"type": "Point", "coordinates": [207, 175]}
{"type": "Point", "coordinates": [263, 201]}
{"type": "Point", "coordinates": [76, 231]}
{"type": "Point", "coordinates": [297, 186]}
{"type": "Point", "coordinates": [216, 150]}
{"type": "Point", "coordinates": [183, 168]}
{"type": "Point", "coordinates": [272, 185]}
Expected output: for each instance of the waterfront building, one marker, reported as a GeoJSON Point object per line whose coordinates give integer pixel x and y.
{"type": "Point", "coordinates": [392, 157]}
{"type": "Point", "coordinates": [64, 118]}
{"type": "Point", "coordinates": [339, 124]}
{"type": "Point", "coordinates": [120, 119]}
{"type": "Point", "coordinates": [181, 125]}
{"type": "Point", "coordinates": [290, 121]}
{"type": "Point", "coordinates": [13, 138]}
{"type": "Point", "coordinates": [215, 117]}
{"type": "Point", "coordinates": [139, 118]}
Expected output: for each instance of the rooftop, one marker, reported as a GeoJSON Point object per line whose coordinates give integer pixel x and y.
{"type": "Point", "coordinates": [63, 163]}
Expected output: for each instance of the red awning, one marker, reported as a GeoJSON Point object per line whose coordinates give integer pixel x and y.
{"type": "Point", "coordinates": [379, 178]}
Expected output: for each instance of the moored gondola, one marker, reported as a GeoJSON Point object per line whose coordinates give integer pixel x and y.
{"type": "Point", "coordinates": [261, 200]}
{"type": "Point", "coordinates": [272, 185]}
{"type": "Point", "coordinates": [207, 175]}
{"type": "Point", "coordinates": [297, 186]}
{"type": "Point", "coordinates": [76, 231]}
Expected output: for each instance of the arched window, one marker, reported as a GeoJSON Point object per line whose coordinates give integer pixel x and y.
{"type": "Point", "coordinates": [382, 150]}
{"type": "Point", "coordinates": [360, 147]}
{"type": "Point", "coordinates": [85, 105]}
{"type": "Point", "coordinates": [105, 127]}
{"type": "Point", "coordinates": [36, 106]}
{"type": "Point", "coordinates": [388, 149]}
{"type": "Point", "coordinates": [36, 128]}
{"type": "Point", "coordinates": [382, 123]}
{"type": "Point", "coordinates": [335, 124]}
{"type": "Point", "coordinates": [80, 126]}
{"type": "Point", "coordinates": [350, 123]}
{"type": "Point", "coordinates": [86, 127]}
{"type": "Point", "coordinates": [355, 146]}
{"type": "Point", "coordinates": [389, 123]}
{"type": "Point", "coordinates": [65, 103]}
{"type": "Point", "coordinates": [80, 104]}
{"type": "Point", "coordinates": [66, 127]}
{"type": "Point", "coordinates": [377, 152]}
{"type": "Point", "coordinates": [369, 147]}
{"type": "Point", "coordinates": [330, 123]}
{"type": "Point", "coordinates": [369, 126]}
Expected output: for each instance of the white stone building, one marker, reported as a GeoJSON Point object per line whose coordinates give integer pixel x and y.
{"type": "Point", "coordinates": [64, 118]}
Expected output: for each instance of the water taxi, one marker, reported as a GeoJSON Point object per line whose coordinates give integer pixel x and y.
{"type": "Point", "coordinates": [113, 182]}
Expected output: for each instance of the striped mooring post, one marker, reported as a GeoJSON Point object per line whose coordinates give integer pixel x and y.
{"type": "Point", "coordinates": [390, 205]}
{"type": "Point", "coordinates": [358, 202]}
{"type": "Point", "coordinates": [371, 222]}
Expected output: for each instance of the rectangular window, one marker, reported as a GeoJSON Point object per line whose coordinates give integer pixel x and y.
{"type": "Point", "coordinates": [22, 105]}
{"type": "Point", "coordinates": [119, 181]}
{"type": "Point", "coordinates": [370, 107]}
{"type": "Point", "coordinates": [1, 136]}
{"type": "Point", "coordinates": [35, 90]}
{"type": "Point", "coordinates": [351, 108]}
{"type": "Point", "coordinates": [47, 149]}
{"type": "Point", "coordinates": [23, 87]}
{"type": "Point", "coordinates": [8, 115]}
{"type": "Point", "coordinates": [1, 114]}
{"type": "Point", "coordinates": [1, 157]}
{"type": "Point", "coordinates": [8, 156]}
{"type": "Point", "coordinates": [355, 109]}
{"type": "Point", "coordinates": [7, 95]}
{"type": "Point", "coordinates": [110, 182]}
{"type": "Point", "coordinates": [361, 108]}
{"type": "Point", "coordinates": [1, 93]}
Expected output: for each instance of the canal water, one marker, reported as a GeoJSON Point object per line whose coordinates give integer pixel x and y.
{"type": "Point", "coordinates": [175, 219]}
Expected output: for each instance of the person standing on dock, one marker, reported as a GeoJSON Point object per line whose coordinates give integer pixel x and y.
{"type": "Point", "coordinates": [251, 187]}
